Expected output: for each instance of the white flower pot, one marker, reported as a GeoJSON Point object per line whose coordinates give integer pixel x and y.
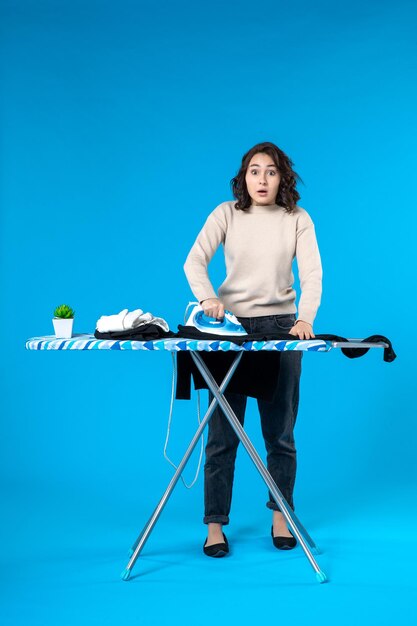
{"type": "Point", "coordinates": [63, 327]}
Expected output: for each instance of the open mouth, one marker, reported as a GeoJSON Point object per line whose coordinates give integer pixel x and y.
{"type": "Point", "coordinates": [262, 192]}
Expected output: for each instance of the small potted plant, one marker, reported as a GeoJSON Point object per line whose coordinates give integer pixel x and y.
{"type": "Point", "coordinates": [63, 321]}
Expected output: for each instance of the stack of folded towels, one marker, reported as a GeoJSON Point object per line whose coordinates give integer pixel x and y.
{"type": "Point", "coordinates": [127, 321]}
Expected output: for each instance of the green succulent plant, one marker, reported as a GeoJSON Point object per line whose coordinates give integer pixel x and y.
{"type": "Point", "coordinates": [64, 311]}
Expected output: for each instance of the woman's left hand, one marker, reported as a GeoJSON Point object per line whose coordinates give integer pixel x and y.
{"type": "Point", "coordinates": [303, 330]}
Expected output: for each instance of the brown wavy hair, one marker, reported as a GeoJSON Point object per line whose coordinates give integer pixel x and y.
{"type": "Point", "coordinates": [287, 195]}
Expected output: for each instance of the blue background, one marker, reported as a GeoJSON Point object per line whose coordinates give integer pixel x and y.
{"type": "Point", "coordinates": [121, 127]}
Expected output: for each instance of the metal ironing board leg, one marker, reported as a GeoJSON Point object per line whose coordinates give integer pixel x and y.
{"type": "Point", "coordinates": [147, 529]}
{"type": "Point", "coordinates": [276, 493]}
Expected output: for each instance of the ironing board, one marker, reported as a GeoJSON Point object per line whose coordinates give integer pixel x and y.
{"type": "Point", "coordinates": [89, 342]}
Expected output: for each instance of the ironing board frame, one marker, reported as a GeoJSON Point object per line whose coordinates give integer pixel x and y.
{"type": "Point", "coordinates": [219, 398]}
{"type": "Point", "coordinates": [87, 342]}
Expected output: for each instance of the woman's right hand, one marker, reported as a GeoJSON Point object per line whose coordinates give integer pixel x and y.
{"type": "Point", "coordinates": [212, 307]}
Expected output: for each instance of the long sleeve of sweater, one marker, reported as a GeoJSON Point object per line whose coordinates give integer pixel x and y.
{"type": "Point", "coordinates": [196, 265]}
{"type": "Point", "coordinates": [259, 245]}
{"type": "Point", "coordinates": [310, 271]}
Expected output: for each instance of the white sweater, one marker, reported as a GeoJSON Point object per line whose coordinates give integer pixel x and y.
{"type": "Point", "coordinates": [259, 246]}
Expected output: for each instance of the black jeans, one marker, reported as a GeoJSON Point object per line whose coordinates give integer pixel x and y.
{"type": "Point", "coordinates": [277, 421]}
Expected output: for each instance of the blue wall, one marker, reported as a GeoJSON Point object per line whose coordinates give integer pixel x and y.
{"type": "Point", "coordinates": [121, 127]}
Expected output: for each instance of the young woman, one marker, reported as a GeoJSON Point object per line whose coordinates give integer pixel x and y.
{"type": "Point", "coordinates": [262, 232]}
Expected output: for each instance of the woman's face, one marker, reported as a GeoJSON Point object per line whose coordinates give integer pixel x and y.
{"type": "Point", "coordinates": [262, 175]}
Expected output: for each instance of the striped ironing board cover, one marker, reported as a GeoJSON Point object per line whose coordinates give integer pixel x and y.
{"type": "Point", "coordinates": [172, 344]}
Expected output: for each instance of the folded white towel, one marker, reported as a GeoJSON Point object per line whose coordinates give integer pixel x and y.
{"type": "Point", "coordinates": [127, 321]}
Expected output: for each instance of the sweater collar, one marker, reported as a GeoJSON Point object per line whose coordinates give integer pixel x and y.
{"type": "Point", "coordinates": [266, 208]}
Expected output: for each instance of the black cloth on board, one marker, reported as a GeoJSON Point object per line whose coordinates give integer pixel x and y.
{"type": "Point", "coordinates": [145, 332]}
{"type": "Point", "coordinates": [256, 372]}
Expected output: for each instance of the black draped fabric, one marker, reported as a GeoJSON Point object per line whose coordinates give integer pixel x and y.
{"type": "Point", "coordinates": [255, 375]}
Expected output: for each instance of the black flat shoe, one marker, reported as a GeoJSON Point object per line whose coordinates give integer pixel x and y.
{"type": "Point", "coordinates": [283, 543]}
{"type": "Point", "coordinates": [217, 549]}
